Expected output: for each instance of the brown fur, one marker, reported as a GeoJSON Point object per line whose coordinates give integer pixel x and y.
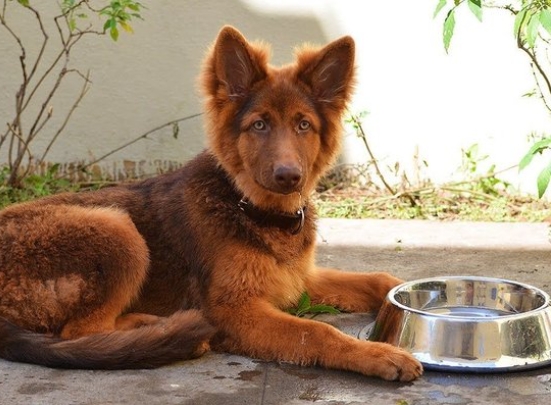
{"type": "Point", "coordinates": [115, 278]}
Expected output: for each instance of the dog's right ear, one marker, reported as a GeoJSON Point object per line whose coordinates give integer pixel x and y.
{"type": "Point", "coordinates": [329, 71]}
{"type": "Point", "coordinates": [235, 64]}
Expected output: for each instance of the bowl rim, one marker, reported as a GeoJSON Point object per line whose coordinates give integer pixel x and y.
{"type": "Point", "coordinates": [546, 304]}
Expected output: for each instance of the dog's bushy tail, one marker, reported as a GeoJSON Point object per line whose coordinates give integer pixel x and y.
{"type": "Point", "coordinates": [183, 335]}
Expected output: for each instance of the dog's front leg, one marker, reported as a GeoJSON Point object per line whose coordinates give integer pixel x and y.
{"type": "Point", "coordinates": [257, 329]}
{"type": "Point", "coordinates": [348, 291]}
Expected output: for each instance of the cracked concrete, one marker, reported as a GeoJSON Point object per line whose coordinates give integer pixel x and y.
{"type": "Point", "coordinates": [409, 249]}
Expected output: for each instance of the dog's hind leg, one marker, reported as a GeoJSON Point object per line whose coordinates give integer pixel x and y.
{"type": "Point", "coordinates": [135, 320]}
{"type": "Point", "coordinates": [69, 270]}
{"type": "Point", "coordinates": [124, 268]}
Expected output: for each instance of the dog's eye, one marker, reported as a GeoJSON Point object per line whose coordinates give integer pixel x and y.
{"type": "Point", "coordinates": [303, 125]}
{"type": "Point", "coordinates": [259, 125]}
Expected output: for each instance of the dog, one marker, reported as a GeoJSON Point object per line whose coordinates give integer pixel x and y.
{"type": "Point", "coordinates": [207, 257]}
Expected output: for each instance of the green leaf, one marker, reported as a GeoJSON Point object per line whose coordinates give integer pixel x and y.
{"type": "Point", "coordinates": [114, 32]}
{"type": "Point", "coordinates": [449, 25]}
{"type": "Point", "coordinates": [175, 130]}
{"type": "Point", "coordinates": [54, 169]}
{"type": "Point", "coordinates": [543, 180]}
{"type": "Point", "coordinates": [538, 147]}
{"type": "Point", "coordinates": [525, 161]}
{"type": "Point", "coordinates": [304, 302]}
{"type": "Point", "coordinates": [439, 7]}
{"type": "Point", "coordinates": [544, 143]}
{"type": "Point", "coordinates": [476, 8]}
{"type": "Point", "coordinates": [545, 19]}
{"type": "Point", "coordinates": [24, 3]}
{"type": "Point", "coordinates": [66, 4]}
{"type": "Point", "coordinates": [126, 27]}
{"type": "Point", "coordinates": [324, 309]}
{"type": "Point", "coordinates": [532, 28]}
{"type": "Point", "coordinates": [304, 306]}
{"type": "Point", "coordinates": [520, 22]}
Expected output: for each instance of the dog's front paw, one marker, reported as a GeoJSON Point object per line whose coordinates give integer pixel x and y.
{"type": "Point", "coordinates": [398, 365]}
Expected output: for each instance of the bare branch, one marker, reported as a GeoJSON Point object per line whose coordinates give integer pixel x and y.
{"type": "Point", "coordinates": [83, 91]}
{"type": "Point", "coordinates": [539, 89]}
{"type": "Point", "coordinates": [536, 67]}
{"type": "Point", "coordinates": [67, 44]}
{"type": "Point", "coordinates": [22, 150]}
{"type": "Point", "coordinates": [36, 125]}
{"type": "Point", "coordinates": [356, 121]}
{"type": "Point", "coordinates": [18, 40]}
{"type": "Point", "coordinates": [65, 17]}
{"type": "Point", "coordinates": [143, 136]}
{"type": "Point", "coordinates": [44, 43]}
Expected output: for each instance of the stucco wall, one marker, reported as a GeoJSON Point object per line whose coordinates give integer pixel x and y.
{"type": "Point", "coordinates": [419, 99]}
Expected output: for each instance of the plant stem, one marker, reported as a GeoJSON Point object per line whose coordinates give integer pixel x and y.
{"type": "Point", "coordinates": [143, 136]}
{"type": "Point", "coordinates": [356, 121]}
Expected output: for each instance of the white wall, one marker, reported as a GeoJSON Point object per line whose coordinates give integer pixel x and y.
{"type": "Point", "coordinates": [418, 96]}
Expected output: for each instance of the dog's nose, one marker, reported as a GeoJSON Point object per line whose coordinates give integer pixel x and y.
{"type": "Point", "coordinates": [287, 176]}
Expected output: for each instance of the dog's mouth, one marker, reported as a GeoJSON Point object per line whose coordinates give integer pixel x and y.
{"type": "Point", "coordinates": [267, 194]}
{"type": "Point", "coordinates": [279, 189]}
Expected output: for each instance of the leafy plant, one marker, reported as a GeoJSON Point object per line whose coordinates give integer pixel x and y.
{"type": "Point", "coordinates": [48, 183]}
{"type": "Point", "coordinates": [449, 22]}
{"type": "Point", "coordinates": [545, 175]}
{"type": "Point", "coordinates": [33, 186]}
{"type": "Point", "coordinates": [305, 307]}
{"type": "Point", "coordinates": [120, 13]}
{"type": "Point", "coordinates": [532, 30]}
{"type": "Point", "coordinates": [42, 76]}
{"type": "Point", "coordinates": [355, 120]}
{"type": "Point", "coordinates": [488, 182]}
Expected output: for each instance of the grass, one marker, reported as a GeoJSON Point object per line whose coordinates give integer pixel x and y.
{"type": "Point", "coordinates": [32, 188]}
{"type": "Point", "coordinates": [35, 186]}
{"type": "Point", "coordinates": [461, 201]}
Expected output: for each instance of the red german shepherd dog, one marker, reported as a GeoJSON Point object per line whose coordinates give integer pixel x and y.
{"type": "Point", "coordinates": [211, 255]}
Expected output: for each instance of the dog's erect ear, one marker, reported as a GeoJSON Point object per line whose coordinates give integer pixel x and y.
{"type": "Point", "coordinates": [237, 64]}
{"type": "Point", "coordinates": [329, 71]}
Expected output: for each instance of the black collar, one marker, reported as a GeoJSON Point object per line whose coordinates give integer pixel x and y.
{"type": "Point", "coordinates": [288, 222]}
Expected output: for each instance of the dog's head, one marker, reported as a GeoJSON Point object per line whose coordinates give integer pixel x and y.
{"type": "Point", "coordinates": [275, 130]}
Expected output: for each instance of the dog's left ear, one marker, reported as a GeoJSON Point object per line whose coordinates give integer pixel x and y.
{"type": "Point", "coordinates": [330, 71]}
{"type": "Point", "coordinates": [237, 64]}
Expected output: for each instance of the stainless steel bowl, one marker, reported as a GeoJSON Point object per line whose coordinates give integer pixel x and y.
{"type": "Point", "coordinates": [468, 323]}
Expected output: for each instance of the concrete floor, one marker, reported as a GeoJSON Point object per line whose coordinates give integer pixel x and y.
{"type": "Point", "coordinates": [409, 249]}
